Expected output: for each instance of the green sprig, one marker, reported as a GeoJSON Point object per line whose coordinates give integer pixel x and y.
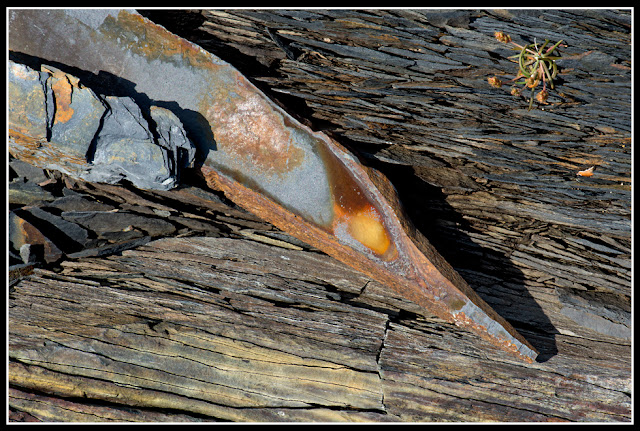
{"type": "Point", "coordinates": [535, 65]}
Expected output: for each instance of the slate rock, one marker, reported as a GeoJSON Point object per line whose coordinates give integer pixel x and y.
{"type": "Point", "coordinates": [22, 232]}
{"type": "Point", "coordinates": [27, 171]}
{"type": "Point", "coordinates": [28, 193]}
{"type": "Point", "coordinates": [125, 149]}
{"type": "Point", "coordinates": [108, 249]}
{"type": "Point", "coordinates": [106, 224]}
{"type": "Point", "coordinates": [27, 101]}
{"type": "Point", "coordinates": [77, 115]}
{"type": "Point", "coordinates": [76, 202]}
{"type": "Point", "coordinates": [55, 122]}
{"type": "Point", "coordinates": [68, 236]}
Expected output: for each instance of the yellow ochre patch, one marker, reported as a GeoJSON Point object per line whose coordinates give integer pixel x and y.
{"type": "Point", "coordinates": [365, 227]}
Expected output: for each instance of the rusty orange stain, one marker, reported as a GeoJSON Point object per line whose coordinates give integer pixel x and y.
{"type": "Point", "coordinates": [62, 91]}
{"type": "Point", "coordinates": [29, 142]}
{"type": "Point", "coordinates": [354, 210]}
{"type": "Point", "coordinates": [249, 128]}
{"type": "Point", "coordinates": [427, 283]}
{"type": "Point", "coordinates": [62, 87]}
{"type": "Point", "coordinates": [41, 153]}
{"type": "Point", "coordinates": [157, 42]}
{"type": "Point", "coordinates": [586, 172]}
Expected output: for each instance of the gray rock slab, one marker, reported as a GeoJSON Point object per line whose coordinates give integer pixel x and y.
{"type": "Point", "coordinates": [77, 115]}
{"type": "Point", "coordinates": [75, 202]}
{"type": "Point", "coordinates": [56, 122]}
{"type": "Point", "coordinates": [69, 236]}
{"type": "Point", "coordinates": [28, 193]}
{"type": "Point", "coordinates": [25, 170]}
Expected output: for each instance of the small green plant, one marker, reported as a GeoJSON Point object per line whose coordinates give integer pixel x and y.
{"type": "Point", "coordinates": [536, 64]}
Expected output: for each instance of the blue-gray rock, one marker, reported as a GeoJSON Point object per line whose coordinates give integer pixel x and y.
{"type": "Point", "coordinates": [172, 136]}
{"type": "Point", "coordinates": [77, 114]}
{"type": "Point", "coordinates": [125, 148]}
{"type": "Point", "coordinates": [27, 171]}
{"type": "Point", "coordinates": [27, 101]}
{"type": "Point", "coordinates": [112, 224]}
{"type": "Point", "coordinates": [77, 202]}
{"type": "Point", "coordinates": [57, 123]}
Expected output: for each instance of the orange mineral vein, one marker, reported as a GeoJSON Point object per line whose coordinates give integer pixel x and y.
{"type": "Point", "coordinates": [302, 181]}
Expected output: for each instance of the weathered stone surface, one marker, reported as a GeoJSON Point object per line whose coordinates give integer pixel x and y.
{"type": "Point", "coordinates": [28, 110]}
{"type": "Point", "coordinates": [76, 202]}
{"type": "Point", "coordinates": [493, 185]}
{"type": "Point", "coordinates": [22, 232]}
{"type": "Point", "coordinates": [70, 218]}
{"type": "Point", "coordinates": [77, 113]}
{"type": "Point", "coordinates": [73, 234]}
{"type": "Point", "coordinates": [109, 224]}
{"type": "Point", "coordinates": [125, 149]}
{"type": "Point", "coordinates": [56, 122]}
{"type": "Point", "coordinates": [27, 193]}
{"type": "Point", "coordinates": [239, 331]}
{"type": "Point", "coordinates": [20, 169]}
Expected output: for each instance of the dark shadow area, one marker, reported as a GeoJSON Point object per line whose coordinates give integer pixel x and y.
{"type": "Point", "coordinates": [443, 226]}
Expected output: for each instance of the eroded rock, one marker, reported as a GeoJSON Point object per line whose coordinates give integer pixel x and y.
{"type": "Point", "coordinates": [55, 122]}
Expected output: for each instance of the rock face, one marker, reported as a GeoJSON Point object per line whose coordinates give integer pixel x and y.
{"type": "Point", "coordinates": [55, 122]}
{"type": "Point", "coordinates": [123, 325]}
